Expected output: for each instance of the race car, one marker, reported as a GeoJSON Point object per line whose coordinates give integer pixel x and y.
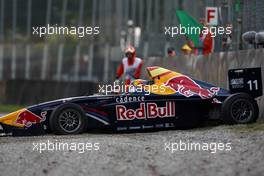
{"type": "Point", "coordinates": [167, 100]}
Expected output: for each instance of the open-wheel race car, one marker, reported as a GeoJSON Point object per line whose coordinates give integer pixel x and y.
{"type": "Point", "coordinates": [168, 100]}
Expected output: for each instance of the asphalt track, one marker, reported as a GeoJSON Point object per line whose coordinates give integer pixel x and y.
{"type": "Point", "coordinates": [138, 154]}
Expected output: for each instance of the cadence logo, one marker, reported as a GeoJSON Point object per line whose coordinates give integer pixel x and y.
{"type": "Point", "coordinates": [146, 110]}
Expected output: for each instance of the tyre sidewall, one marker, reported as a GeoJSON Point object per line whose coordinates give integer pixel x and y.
{"type": "Point", "coordinates": [226, 112]}
{"type": "Point", "coordinates": [54, 120]}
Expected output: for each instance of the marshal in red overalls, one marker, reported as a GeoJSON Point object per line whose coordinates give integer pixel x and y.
{"type": "Point", "coordinates": [130, 66]}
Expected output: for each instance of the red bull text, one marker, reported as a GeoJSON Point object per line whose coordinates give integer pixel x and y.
{"type": "Point", "coordinates": [145, 111]}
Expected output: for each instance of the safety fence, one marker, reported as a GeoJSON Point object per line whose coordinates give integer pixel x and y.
{"type": "Point", "coordinates": [69, 58]}
{"type": "Point", "coordinates": [212, 68]}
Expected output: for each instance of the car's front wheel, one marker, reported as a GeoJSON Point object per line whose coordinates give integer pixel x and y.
{"type": "Point", "coordinates": [68, 119]}
{"type": "Point", "coordinates": [240, 108]}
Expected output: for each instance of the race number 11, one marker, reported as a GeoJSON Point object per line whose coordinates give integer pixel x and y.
{"type": "Point", "coordinates": [253, 84]}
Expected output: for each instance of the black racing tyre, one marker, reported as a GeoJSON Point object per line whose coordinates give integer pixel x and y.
{"type": "Point", "coordinates": [239, 108]}
{"type": "Point", "coordinates": [68, 119]}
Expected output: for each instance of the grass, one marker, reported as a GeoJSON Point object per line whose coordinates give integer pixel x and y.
{"type": "Point", "coordinates": [9, 108]}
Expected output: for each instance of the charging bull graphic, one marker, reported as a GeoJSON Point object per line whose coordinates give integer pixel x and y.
{"type": "Point", "coordinates": [184, 85]}
{"type": "Point", "coordinates": [28, 118]}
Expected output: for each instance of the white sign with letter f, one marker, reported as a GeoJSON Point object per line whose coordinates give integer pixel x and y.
{"type": "Point", "coordinates": [211, 16]}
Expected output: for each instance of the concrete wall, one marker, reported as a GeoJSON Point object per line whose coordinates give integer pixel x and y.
{"type": "Point", "coordinates": [32, 92]}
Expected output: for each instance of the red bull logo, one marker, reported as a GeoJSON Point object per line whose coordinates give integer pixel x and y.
{"type": "Point", "coordinates": [28, 118]}
{"type": "Point", "coordinates": [187, 87]}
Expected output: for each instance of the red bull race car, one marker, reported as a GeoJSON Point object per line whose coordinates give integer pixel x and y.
{"type": "Point", "coordinates": [167, 100]}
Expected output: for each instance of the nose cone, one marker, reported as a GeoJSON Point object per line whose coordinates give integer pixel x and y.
{"type": "Point", "coordinates": [11, 119]}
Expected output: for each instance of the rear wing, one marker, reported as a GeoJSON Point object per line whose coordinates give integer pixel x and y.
{"type": "Point", "coordinates": [246, 80]}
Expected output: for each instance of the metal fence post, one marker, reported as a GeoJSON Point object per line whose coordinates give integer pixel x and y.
{"type": "Point", "coordinates": [141, 12]}
{"type": "Point", "coordinates": [44, 61]}
{"type": "Point", "coordinates": [91, 47]}
{"type": "Point", "coordinates": [59, 61]}
{"type": "Point", "coordinates": [146, 49]}
{"type": "Point", "coordinates": [28, 46]}
{"type": "Point", "coordinates": [27, 65]}
{"type": "Point", "coordinates": [106, 63]}
{"type": "Point", "coordinates": [118, 18]}
{"type": "Point", "coordinates": [46, 46]}
{"type": "Point", "coordinates": [1, 60]}
{"type": "Point", "coordinates": [149, 15]}
{"type": "Point", "coordinates": [134, 5]}
{"type": "Point", "coordinates": [90, 62]}
{"type": "Point", "coordinates": [61, 45]}
{"type": "Point", "coordinates": [78, 47]}
{"type": "Point", "coordinates": [13, 55]}
{"type": "Point", "coordinates": [2, 39]}
{"type": "Point", "coordinates": [77, 62]}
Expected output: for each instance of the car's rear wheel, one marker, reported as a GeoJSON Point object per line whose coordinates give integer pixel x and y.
{"type": "Point", "coordinates": [68, 119]}
{"type": "Point", "coordinates": [240, 108]}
